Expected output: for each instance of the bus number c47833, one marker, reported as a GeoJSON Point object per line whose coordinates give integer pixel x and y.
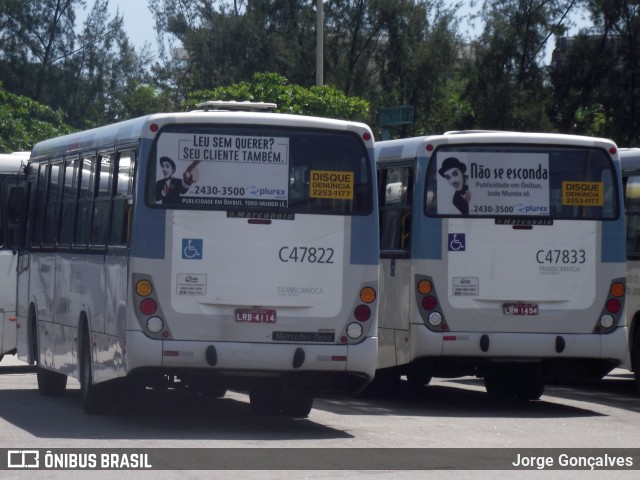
{"type": "Point", "coordinates": [561, 256]}
{"type": "Point", "coordinates": [306, 254]}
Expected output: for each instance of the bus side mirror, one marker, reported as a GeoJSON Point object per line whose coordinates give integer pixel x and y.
{"type": "Point", "coordinates": [15, 217]}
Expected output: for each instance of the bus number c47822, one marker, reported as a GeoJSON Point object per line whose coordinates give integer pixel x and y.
{"type": "Point", "coordinates": [306, 255]}
{"type": "Point", "coordinates": [561, 256]}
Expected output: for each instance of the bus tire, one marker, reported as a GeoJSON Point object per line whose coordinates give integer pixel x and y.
{"type": "Point", "coordinates": [51, 384]}
{"type": "Point", "coordinates": [297, 407]}
{"type": "Point", "coordinates": [94, 400]}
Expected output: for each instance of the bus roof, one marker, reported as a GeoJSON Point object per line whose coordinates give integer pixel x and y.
{"type": "Point", "coordinates": [630, 158]}
{"type": "Point", "coordinates": [138, 128]}
{"type": "Point", "coordinates": [11, 162]}
{"type": "Point", "coordinates": [412, 147]}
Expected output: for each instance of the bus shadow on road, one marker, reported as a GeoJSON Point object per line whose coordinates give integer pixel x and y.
{"type": "Point", "coordinates": [452, 398]}
{"type": "Point", "coordinates": [159, 416]}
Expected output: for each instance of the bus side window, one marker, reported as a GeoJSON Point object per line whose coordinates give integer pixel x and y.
{"type": "Point", "coordinates": [632, 211]}
{"type": "Point", "coordinates": [396, 196]}
{"type": "Point", "coordinates": [85, 199]}
{"type": "Point", "coordinates": [121, 212]}
{"type": "Point", "coordinates": [102, 205]}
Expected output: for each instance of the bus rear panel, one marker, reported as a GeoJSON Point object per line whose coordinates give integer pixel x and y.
{"type": "Point", "coordinates": [515, 265]}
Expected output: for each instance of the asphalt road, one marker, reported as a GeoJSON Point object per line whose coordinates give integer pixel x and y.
{"type": "Point", "coordinates": [448, 414]}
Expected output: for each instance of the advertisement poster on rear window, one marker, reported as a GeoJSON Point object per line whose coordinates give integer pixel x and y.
{"type": "Point", "coordinates": [492, 184]}
{"type": "Point", "coordinates": [222, 170]}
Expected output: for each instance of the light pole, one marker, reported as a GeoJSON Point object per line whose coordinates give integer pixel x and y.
{"type": "Point", "coordinates": [319, 43]}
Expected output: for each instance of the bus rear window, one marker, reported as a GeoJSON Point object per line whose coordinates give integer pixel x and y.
{"type": "Point", "coordinates": [260, 169]}
{"type": "Point", "coordinates": [503, 181]}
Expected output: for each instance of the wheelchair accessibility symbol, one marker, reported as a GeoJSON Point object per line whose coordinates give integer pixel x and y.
{"type": "Point", "coordinates": [192, 249]}
{"type": "Point", "coordinates": [457, 242]}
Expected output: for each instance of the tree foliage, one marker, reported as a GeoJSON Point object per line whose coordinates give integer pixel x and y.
{"type": "Point", "coordinates": [321, 101]}
{"type": "Point", "coordinates": [24, 122]}
{"type": "Point", "coordinates": [596, 79]}
{"type": "Point", "coordinates": [377, 54]}
{"type": "Point", "coordinates": [508, 89]}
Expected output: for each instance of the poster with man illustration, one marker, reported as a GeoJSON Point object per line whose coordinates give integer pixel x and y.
{"type": "Point", "coordinates": [492, 183]}
{"type": "Point", "coordinates": [222, 170]}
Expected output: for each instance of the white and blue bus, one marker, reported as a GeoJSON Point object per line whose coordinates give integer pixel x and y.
{"type": "Point", "coordinates": [630, 160]}
{"type": "Point", "coordinates": [502, 256]}
{"type": "Point", "coordinates": [206, 250]}
{"type": "Point", "coordinates": [10, 168]}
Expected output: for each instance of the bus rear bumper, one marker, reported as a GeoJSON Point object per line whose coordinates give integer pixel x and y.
{"type": "Point", "coordinates": [611, 347]}
{"type": "Point", "coordinates": [325, 370]}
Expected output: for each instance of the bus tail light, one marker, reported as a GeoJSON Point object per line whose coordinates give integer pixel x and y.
{"type": "Point", "coordinates": [429, 302]}
{"type": "Point", "coordinates": [429, 305]}
{"type": "Point", "coordinates": [367, 295]}
{"type": "Point", "coordinates": [144, 288]}
{"type": "Point", "coordinates": [613, 308]}
{"type": "Point", "coordinates": [363, 311]}
{"type": "Point", "coordinates": [148, 308]}
{"type": "Point", "coordinates": [155, 324]}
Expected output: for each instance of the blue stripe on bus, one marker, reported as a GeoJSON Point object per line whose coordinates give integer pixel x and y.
{"type": "Point", "coordinates": [148, 229]}
{"type": "Point", "coordinates": [423, 245]}
{"type": "Point", "coordinates": [613, 244]}
{"type": "Point", "coordinates": [364, 240]}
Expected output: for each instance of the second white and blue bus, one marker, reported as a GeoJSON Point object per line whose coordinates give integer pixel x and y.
{"type": "Point", "coordinates": [502, 256]}
{"type": "Point", "coordinates": [206, 250]}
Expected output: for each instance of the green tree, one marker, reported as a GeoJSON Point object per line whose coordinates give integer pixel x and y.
{"type": "Point", "coordinates": [322, 101]}
{"type": "Point", "coordinates": [34, 36]}
{"type": "Point", "coordinates": [86, 74]}
{"type": "Point", "coordinates": [209, 44]}
{"type": "Point", "coordinates": [507, 88]}
{"type": "Point", "coordinates": [418, 64]}
{"type": "Point", "coordinates": [24, 122]}
{"type": "Point", "coordinates": [596, 76]}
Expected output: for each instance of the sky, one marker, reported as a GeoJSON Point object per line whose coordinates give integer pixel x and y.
{"type": "Point", "coordinates": [138, 21]}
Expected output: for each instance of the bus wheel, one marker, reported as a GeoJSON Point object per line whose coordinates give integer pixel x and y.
{"type": "Point", "coordinates": [51, 383]}
{"type": "Point", "coordinates": [297, 407]}
{"type": "Point", "coordinates": [94, 400]}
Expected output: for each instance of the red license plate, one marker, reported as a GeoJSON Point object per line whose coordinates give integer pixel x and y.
{"type": "Point", "coordinates": [520, 309]}
{"type": "Point", "coordinates": [255, 315]}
